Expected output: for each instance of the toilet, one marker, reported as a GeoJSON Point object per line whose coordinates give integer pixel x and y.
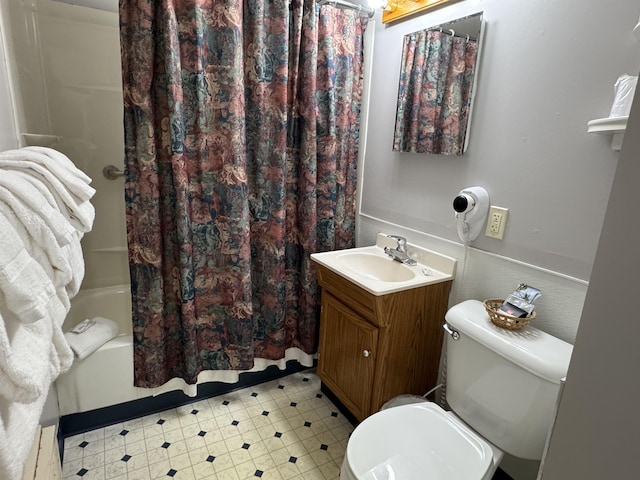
{"type": "Point", "coordinates": [502, 386]}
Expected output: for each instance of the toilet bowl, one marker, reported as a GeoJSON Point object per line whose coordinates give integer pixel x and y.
{"type": "Point", "coordinates": [502, 387]}
{"type": "Point", "coordinates": [418, 441]}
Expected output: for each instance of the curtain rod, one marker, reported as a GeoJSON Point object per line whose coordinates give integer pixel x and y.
{"type": "Point", "coordinates": [345, 5]}
{"type": "Point", "coordinates": [449, 31]}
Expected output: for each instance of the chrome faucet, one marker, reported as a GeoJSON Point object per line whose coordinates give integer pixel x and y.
{"type": "Point", "coordinates": [400, 252]}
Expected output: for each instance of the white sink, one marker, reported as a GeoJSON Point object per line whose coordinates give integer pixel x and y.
{"type": "Point", "coordinates": [379, 274]}
{"type": "Point", "coordinates": [375, 267]}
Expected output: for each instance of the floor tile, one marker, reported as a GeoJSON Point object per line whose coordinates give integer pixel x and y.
{"type": "Point", "coordinates": [280, 430]}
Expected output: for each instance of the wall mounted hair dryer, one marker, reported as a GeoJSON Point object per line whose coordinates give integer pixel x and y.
{"type": "Point", "coordinates": [471, 206]}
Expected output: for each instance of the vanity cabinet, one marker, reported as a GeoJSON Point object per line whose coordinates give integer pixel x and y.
{"type": "Point", "coordinates": [375, 347]}
{"type": "Point", "coordinates": [347, 362]}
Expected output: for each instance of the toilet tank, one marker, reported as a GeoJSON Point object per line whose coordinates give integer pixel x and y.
{"type": "Point", "coordinates": [504, 383]}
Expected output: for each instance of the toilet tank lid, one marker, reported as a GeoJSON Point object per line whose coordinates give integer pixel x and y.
{"type": "Point", "coordinates": [534, 350]}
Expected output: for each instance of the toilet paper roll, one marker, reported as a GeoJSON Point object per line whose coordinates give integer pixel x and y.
{"type": "Point", "coordinates": [624, 89]}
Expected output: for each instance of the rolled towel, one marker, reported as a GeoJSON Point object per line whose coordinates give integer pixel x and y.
{"type": "Point", "coordinates": [91, 334]}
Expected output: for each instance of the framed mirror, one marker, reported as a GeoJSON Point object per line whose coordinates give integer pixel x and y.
{"type": "Point", "coordinates": [436, 88]}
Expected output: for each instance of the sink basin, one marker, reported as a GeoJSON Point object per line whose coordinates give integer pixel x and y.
{"type": "Point", "coordinates": [373, 270]}
{"type": "Point", "coordinates": [376, 267]}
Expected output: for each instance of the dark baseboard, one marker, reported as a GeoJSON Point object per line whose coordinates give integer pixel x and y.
{"type": "Point", "coordinates": [336, 401]}
{"type": "Point", "coordinates": [501, 475]}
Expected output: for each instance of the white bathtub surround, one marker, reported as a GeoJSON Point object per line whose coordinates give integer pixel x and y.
{"type": "Point", "coordinates": [286, 428]}
{"type": "Point", "coordinates": [44, 212]}
{"type": "Point", "coordinates": [106, 376]}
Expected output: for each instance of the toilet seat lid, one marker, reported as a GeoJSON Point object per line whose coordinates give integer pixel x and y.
{"type": "Point", "coordinates": [417, 441]}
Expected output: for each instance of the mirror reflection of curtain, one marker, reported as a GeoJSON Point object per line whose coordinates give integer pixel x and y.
{"type": "Point", "coordinates": [434, 95]}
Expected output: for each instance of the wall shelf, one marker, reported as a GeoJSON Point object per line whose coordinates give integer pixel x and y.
{"type": "Point", "coordinates": [613, 126]}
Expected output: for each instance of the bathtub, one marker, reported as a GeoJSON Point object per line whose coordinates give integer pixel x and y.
{"type": "Point", "coordinates": [105, 377]}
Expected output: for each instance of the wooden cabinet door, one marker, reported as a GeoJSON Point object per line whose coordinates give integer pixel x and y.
{"type": "Point", "coordinates": [347, 357]}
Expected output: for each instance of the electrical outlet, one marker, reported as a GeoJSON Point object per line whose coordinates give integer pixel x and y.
{"type": "Point", "coordinates": [496, 221]}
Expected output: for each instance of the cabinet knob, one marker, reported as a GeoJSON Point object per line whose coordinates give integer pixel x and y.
{"type": "Point", "coordinates": [366, 353]}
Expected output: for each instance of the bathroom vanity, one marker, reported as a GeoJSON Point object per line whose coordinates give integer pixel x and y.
{"type": "Point", "coordinates": [380, 328]}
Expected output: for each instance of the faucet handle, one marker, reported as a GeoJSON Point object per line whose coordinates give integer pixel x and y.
{"type": "Point", "coordinates": [402, 242]}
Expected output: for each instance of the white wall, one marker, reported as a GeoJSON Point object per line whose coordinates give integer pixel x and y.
{"type": "Point", "coordinates": [547, 68]}
{"type": "Point", "coordinates": [596, 432]}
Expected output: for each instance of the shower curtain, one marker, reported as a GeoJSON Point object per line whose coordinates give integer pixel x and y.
{"type": "Point", "coordinates": [436, 76]}
{"type": "Point", "coordinates": [241, 144]}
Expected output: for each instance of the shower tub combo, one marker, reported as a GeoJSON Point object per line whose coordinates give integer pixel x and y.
{"type": "Point", "coordinates": [105, 378]}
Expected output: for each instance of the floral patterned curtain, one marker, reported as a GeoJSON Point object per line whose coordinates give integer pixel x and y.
{"type": "Point", "coordinates": [434, 98]}
{"type": "Point", "coordinates": [241, 133]}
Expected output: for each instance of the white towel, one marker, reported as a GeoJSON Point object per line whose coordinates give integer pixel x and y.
{"type": "Point", "coordinates": [44, 210]}
{"type": "Point", "coordinates": [87, 342]}
{"type": "Point", "coordinates": [33, 351]}
{"type": "Point", "coordinates": [26, 287]}
{"type": "Point", "coordinates": [54, 276]}
{"type": "Point", "coordinates": [18, 427]}
{"type": "Point", "coordinates": [68, 185]}
{"type": "Point", "coordinates": [75, 257]}
{"type": "Point", "coordinates": [60, 162]}
{"type": "Point", "coordinates": [39, 234]}
{"type": "Point", "coordinates": [56, 164]}
{"type": "Point", "coordinates": [31, 356]}
{"type": "Point", "coordinates": [80, 214]}
{"type": "Point", "coordinates": [35, 207]}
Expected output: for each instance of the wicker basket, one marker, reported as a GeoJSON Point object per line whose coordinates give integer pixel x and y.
{"type": "Point", "coordinates": [503, 320]}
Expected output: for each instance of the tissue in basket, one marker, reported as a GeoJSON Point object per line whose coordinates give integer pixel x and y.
{"type": "Point", "coordinates": [503, 320]}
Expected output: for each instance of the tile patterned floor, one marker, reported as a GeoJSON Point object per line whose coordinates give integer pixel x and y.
{"type": "Point", "coordinates": [283, 429]}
